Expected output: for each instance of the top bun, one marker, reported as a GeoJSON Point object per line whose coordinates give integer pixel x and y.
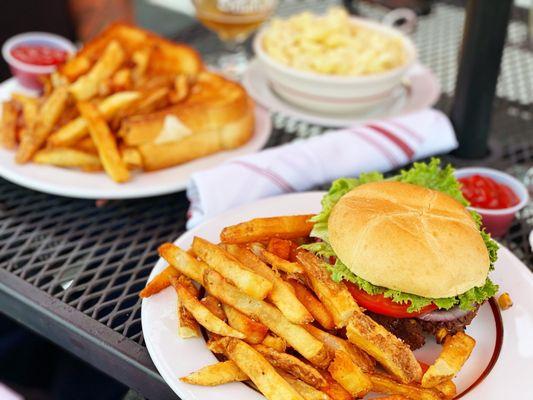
{"type": "Point", "coordinates": [408, 238]}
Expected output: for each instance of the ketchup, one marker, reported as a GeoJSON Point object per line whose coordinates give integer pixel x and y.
{"type": "Point", "coordinates": [485, 192]}
{"type": "Point", "coordinates": [39, 55]}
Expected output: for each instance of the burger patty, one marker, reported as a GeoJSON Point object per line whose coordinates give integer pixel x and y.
{"type": "Point", "coordinates": [412, 330]}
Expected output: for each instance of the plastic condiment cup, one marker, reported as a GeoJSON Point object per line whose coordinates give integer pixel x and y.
{"type": "Point", "coordinates": [498, 221]}
{"type": "Point", "coordinates": [30, 75]}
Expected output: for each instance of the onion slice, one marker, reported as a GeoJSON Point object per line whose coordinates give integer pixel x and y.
{"type": "Point", "coordinates": [444, 315]}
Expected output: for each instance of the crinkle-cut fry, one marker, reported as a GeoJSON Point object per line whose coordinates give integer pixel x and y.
{"type": "Point", "coordinates": [110, 61]}
{"type": "Point", "coordinates": [384, 384]}
{"type": "Point", "coordinates": [276, 262]}
{"type": "Point", "coordinates": [455, 351]}
{"type": "Point", "coordinates": [260, 371]}
{"type": "Point", "coordinates": [313, 305]}
{"type": "Point", "coordinates": [105, 143]}
{"type": "Point", "coordinates": [334, 295]}
{"type": "Point", "coordinates": [262, 229]}
{"type": "Point", "coordinates": [295, 335]}
{"type": "Point", "coordinates": [255, 331]}
{"type": "Point", "coordinates": [183, 261]}
{"type": "Point", "coordinates": [47, 117]}
{"type": "Point", "coordinates": [77, 129]}
{"type": "Point", "coordinates": [292, 365]}
{"type": "Point", "coordinates": [333, 389]}
{"type": "Point", "coordinates": [393, 354]}
{"type": "Point", "coordinates": [218, 259]}
{"type": "Point", "coordinates": [307, 391]}
{"type": "Point", "coordinates": [275, 342]}
{"type": "Point", "coordinates": [349, 375]}
{"type": "Point", "coordinates": [201, 313]}
{"type": "Point", "coordinates": [8, 130]}
{"type": "Point", "coordinates": [159, 282]}
{"type": "Point", "coordinates": [334, 343]}
{"type": "Point", "coordinates": [68, 158]}
{"type": "Point", "coordinates": [216, 374]}
{"type": "Point", "coordinates": [282, 294]}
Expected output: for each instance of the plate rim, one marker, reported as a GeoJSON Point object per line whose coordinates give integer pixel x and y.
{"type": "Point", "coordinates": [308, 116]}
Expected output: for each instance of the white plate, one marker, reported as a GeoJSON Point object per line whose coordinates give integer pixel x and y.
{"type": "Point", "coordinates": [74, 183]}
{"type": "Point", "coordinates": [175, 357]}
{"type": "Point", "coordinates": [422, 89]}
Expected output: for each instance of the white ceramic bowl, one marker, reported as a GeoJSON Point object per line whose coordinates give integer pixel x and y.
{"type": "Point", "coordinates": [334, 94]}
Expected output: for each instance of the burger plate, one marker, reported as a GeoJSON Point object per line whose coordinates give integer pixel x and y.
{"type": "Point", "coordinates": [498, 367]}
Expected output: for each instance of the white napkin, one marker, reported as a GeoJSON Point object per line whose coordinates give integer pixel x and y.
{"type": "Point", "coordinates": [304, 164]}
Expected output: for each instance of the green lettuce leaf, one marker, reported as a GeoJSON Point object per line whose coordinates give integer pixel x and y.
{"type": "Point", "coordinates": [429, 175]}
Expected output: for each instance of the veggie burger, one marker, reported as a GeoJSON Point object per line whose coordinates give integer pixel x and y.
{"type": "Point", "coordinates": [409, 251]}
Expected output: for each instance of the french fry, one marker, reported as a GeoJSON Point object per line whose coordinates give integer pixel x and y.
{"type": "Point", "coordinates": [262, 374]}
{"type": "Point", "coordinates": [181, 89]}
{"type": "Point", "coordinates": [282, 294]}
{"type": "Point", "coordinates": [87, 145]}
{"type": "Point", "coordinates": [200, 312]}
{"type": "Point", "coordinates": [216, 374]}
{"type": "Point", "coordinates": [132, 157]}
{"type": "Point", "coordinates": [8, 131]}
{"type": "Point", "coordinates": [313, 305]}
{"type": "Point", "coordinates": [280, 247]}
{"type": "Point", "coordinates": [393, 397]}
{"type": "Point", "coordinates": [213, 305]}
{"type": "Point", "coordinates": [255, 332]}
{"type": "Point", "coordinates": [47, 117]}
{"type": "Point", "coordinates": [455, 351]}
{"type": "Point", "coordinates": [276, 262]}
{"type": "Point", "coordinates": [187, 325]}
{"type": "Point", "coordinates": [307, 391]}
{"type": "Point", "coordinates": [349, 375]}
{"type": "Point", "coordinates": [183, 261]}
{"type": "Point", "coordinates": [249, 282]}
{"type": "Point", "coordinates": [78, 128]}
{"type": "Point", "coordinates": [393, 354]}
{"type": "Point", "coordinates": [262, 229]}
{"type": "Point", "coordinates": [105, 143]}
{"type": "Point", "coordinates": [68, 158]}
{"type": "Point", "coordinates": [333, 389]}
{"type": "Point", "coordinates": [30, 109]}
{"type": "Point", "coordinates": [292, 365]}
{"type": "Point", "coordinates": [161, 281]}
{"type": "Point", "coordinates": [295, 335]}
{"type": "Point", "coordinates": [87, 85]}
{"type": "Point", "coordinates": [447, 388]}
{"type": "Point", "coordinates": [275, 342]}
{"type": "Point", "coordinates": [383, 384]}
{"type": "Point", "coordinates": [334, 343]}
{"type": "Point", "coordinates": [334, 295]}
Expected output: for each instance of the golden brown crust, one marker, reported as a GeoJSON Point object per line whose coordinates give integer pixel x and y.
{"type": "Point", "coordinates": [408, 238]}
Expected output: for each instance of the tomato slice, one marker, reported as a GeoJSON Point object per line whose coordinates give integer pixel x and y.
{"type": "Point", "coordinates": [381, 305]}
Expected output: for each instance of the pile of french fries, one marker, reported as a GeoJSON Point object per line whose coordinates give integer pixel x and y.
{"type": "Point", "coordinates": [275, 318]}
{"type": "Point", "coordinates": [107, 107]}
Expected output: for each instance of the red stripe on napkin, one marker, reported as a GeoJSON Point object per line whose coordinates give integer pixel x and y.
{"type": "Point", "coordinates": [409, 152]}
{"type": "Point", "coordinates": [374, 143]}
{"type": "Point", "coordinates": [273, 177]}
{"type": "Point", "coordinates": [407, 130]}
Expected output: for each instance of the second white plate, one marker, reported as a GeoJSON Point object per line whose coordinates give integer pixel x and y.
{"type": "Point", "coordinates": [75, 183]}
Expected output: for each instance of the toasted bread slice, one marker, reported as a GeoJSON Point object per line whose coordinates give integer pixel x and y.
{"type": "Point", "coordinates": [199, 144]}
{"type": "Point", "coordinates": [166, 57]}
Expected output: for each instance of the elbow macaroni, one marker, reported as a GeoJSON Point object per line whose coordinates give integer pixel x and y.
{"type": "Point", "coordinates": [332, 44]}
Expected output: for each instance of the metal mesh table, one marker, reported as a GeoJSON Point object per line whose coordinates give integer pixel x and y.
{"type": "Point", "coordinates": [72, 271]}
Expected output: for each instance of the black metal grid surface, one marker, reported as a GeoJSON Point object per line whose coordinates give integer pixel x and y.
{"type": "Point", "coordinates": [72, 271]}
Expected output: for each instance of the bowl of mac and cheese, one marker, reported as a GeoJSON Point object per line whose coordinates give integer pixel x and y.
{"type": "Point", "coordinates": [333, 63]}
